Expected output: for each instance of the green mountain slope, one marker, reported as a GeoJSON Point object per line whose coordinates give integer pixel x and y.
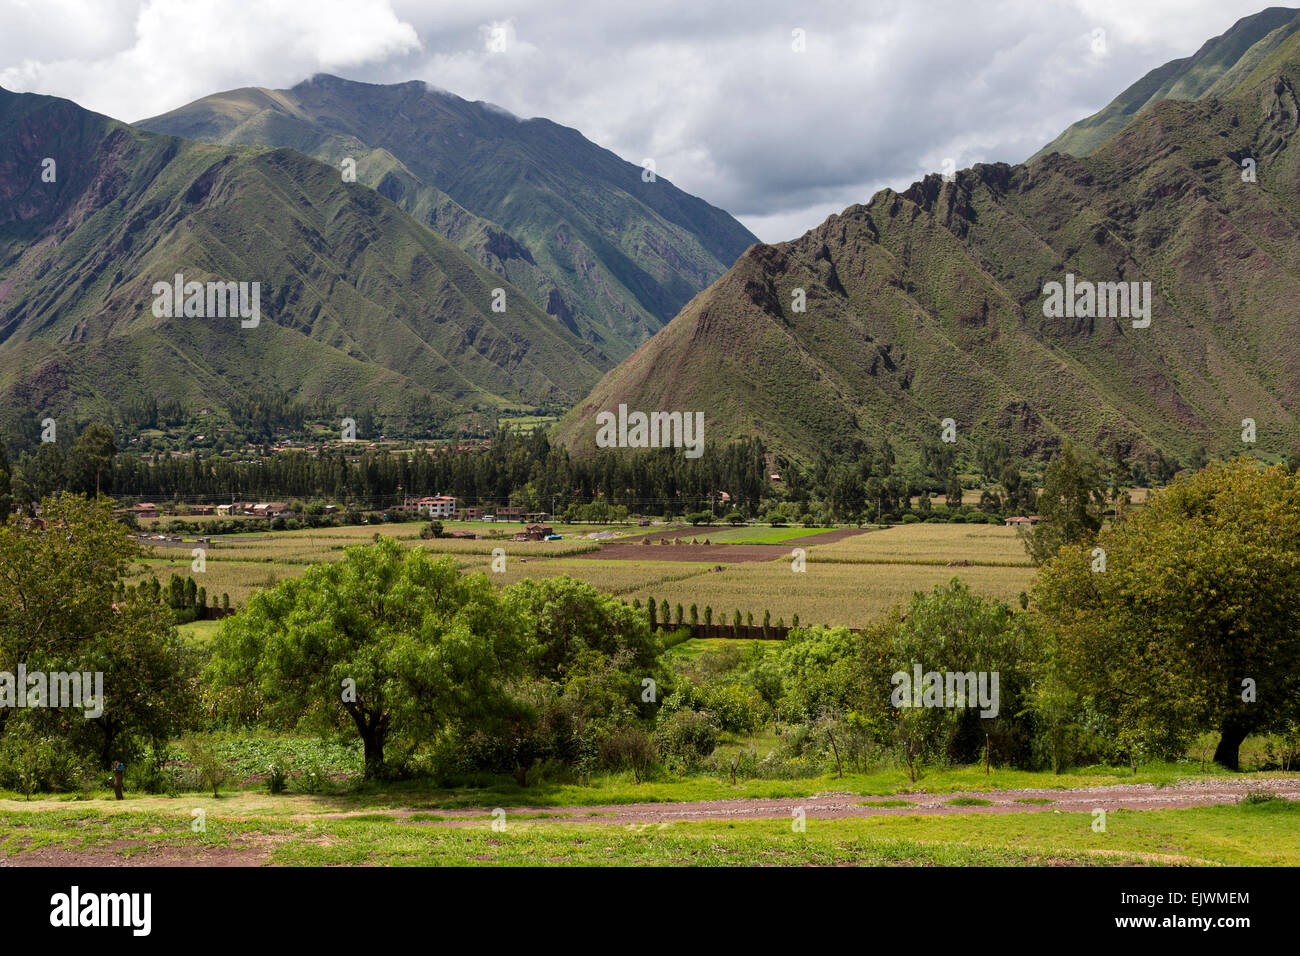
{"type": "Point", "coordinates": [611, 257]}
{"type": "Point", "coordinates": [1216, 68]}
{"type": "Point", "coordinates": [928, 304]}
{"type": "Point", "coordinates": [361, 305]}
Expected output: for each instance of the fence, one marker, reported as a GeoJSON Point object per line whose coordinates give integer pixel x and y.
{"type": "Point", "coordinates": [753, 632]}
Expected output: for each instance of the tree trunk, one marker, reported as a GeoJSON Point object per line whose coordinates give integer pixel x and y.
{"type": "Point", "coordinates": [1231, 736]}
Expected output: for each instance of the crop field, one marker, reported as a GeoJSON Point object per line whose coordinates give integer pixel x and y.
{"type": "Point", "coordinates": [927, 544]}
{"type": "Point", "coordinates": [849, 594]}
{"type": "Point", "coordinates": [848, 581]}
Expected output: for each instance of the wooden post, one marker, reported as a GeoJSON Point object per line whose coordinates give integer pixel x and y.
{"type": "Point", "coordinates": [117, 779]}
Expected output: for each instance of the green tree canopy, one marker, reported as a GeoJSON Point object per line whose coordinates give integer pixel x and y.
{"type": "Point", "coordinates": [1193, 624]}
{"type": "Point", "coordinates": [1071, 505]}
{"type": "Point", "coordinates": [393, 641]}
{"type": "Point", "coordinates": [58, 613]}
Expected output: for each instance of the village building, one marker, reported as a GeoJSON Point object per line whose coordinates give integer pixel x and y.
{"type": "Point", "coordinates": [534, 532]}
{"type": "Point", "coordinates": [435, 506]}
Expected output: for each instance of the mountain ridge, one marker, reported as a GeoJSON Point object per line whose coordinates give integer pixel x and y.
{"type": "Point", "coordinates": [926, 304]}
{"type": "Point", "coordinates": [609, 255]}
{"type": "Point", "coordinates": [1209, 71]}
{"type": "Point", "coordinates": [361, 304]}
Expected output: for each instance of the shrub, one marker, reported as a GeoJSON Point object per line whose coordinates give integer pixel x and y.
{"type": "Point", "coordinates": [629, 747]}
{"type": "Point", "coordinates": [209, 769]}
{"type": "Point", "coordinates": [277, 775]}
{"type": "Point", "coordinates": [689, 735]}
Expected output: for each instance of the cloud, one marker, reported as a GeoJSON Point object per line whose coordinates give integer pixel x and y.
{"type": "Point", "coordinates": [715, 94]}
{"type": "Point", "coordinates": [175, 52]}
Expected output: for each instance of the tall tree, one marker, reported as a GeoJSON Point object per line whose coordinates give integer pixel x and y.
{"type": "Point", "coordinates": [389, 640]}
{"type": "Point", "coordinates": [1071, 505]}
{"type": "Point", "coordinates": [1191, 622]}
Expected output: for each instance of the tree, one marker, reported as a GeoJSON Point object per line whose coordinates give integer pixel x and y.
{"type": "Point", "coordinates": [1192, 626]}
{"type": "Point", "coordinates": [390, 640]}
{"type": "Point", "coordinates": [1071, 505]}
{"type": "Point", "coordinates": [62, 609]}
{"type": "Point", "coordinates": [6, 499]}
{"type": "Point", "coordinates": [953, 495]}
{"type": "Point", "coordinates": [570, 625]}
{"type": "Point", "coordinates": [89, 465]}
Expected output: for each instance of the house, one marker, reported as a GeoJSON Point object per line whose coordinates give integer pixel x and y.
{"type": "Point", "coordinates": [145, 509]}
{"type": "Point", "coordinates": [226, 509]}
{"type": "Point", "coordinates": [270, 509]}
{"type": "Point", "coordinates": [1020, 521]}
{"type": "Point", "coordinates": [534, 532]}
{"type": "Point", "coordinates": [536, 517]}
{"type": "Point", "coordinates": [468, 514]}
{"type": "Point", "coordinates": [436, 506]}
{"type": "Point", "coordinates": [512, 513]}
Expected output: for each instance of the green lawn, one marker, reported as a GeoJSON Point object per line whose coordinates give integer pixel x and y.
{"type": "Point", "coordinates": [758, 534]}
{"type": "Point", "coordinates": [1267, 835]}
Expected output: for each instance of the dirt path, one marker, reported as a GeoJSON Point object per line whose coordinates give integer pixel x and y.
{"type": "Point", "coordinates": [831, 806]}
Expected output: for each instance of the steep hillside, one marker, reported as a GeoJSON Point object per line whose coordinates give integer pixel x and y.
{"type": "Point", "coordinates": [360, 304]}
{"type": "Point", "coordinates": [1217, 67]}
{"type": "Point", "coordinates": [611, 257]}
{"type": "Point", "coordinates": [929, 304]}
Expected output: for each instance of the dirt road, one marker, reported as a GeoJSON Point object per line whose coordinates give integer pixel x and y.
{"type": "Point", "coordinates": [838, 805]}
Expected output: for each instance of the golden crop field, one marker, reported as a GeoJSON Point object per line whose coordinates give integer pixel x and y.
{"type": "Point", "coordinates": [847, 582]}
{"type": "Point", "coordinates": [928, 544]}
{"type": "Point", "coordinates": [849, 594]}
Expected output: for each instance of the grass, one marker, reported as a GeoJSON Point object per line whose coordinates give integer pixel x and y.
{"type": "Point", "coordinates": [758, 534]}
{"type": "Point", "coordinates": [199, 632]}
{"type": "Point", "coordinates": [251, 755]}
{"type": "Point", "coordinates": [696, 646]}
{"type": "Point", "coordinates": [1220, 835]}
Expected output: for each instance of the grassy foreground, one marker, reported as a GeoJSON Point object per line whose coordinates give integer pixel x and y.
{"type": "Point", "coordinates": [1267, 834]}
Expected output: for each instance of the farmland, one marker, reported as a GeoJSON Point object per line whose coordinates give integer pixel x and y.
{"type": "Point", "coordinates": [848, 581]}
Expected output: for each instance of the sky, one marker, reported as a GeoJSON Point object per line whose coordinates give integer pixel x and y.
{"type": "Point", "coordinates": [779, 114]}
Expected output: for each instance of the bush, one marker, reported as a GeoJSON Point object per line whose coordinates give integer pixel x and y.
{"type": "Point", "coordinates": [210, 770]}
{"type": "Point", "coordinates": [688, 735]}
{"type": "Point", "coordinates": [277, 775]}
{"type": "Point", "coordinates": [32, 763]}
{"type": "Point", "coordinates": [736, 708]}
{"type": "Point", "coordinates": [629, 747]}
{"type": "Point", "coordinates": [910, 518]}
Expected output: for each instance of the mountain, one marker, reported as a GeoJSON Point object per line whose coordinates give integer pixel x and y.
{"type": "Point", "coordinates": [1215, 68]}
{"type": "Point", "coordinates": [610, 256]}
{"type": "Point", "coordinates": [360, 304]}
{"type": "Point", "coordinates": [930, 304]}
